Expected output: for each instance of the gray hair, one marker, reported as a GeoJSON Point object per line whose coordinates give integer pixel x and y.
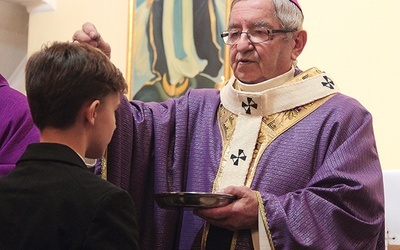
{"type": "Point", "coordinates": [289, 16]}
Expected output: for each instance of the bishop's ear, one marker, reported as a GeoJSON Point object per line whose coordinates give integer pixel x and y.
{"type": "Point", "coordinates": [91, 111]}
{"type": "Point", "coordinates": [300, 38]}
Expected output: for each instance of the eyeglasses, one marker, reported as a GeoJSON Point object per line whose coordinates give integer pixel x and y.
{"type": "Point", "coordinates": [255, 35]}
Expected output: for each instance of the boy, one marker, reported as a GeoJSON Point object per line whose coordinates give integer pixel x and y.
{"type": "Point", "coordinates": [51, 200]}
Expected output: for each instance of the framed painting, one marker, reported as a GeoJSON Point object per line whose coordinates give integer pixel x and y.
{"type": "Point", "coordinates": [174, 45]}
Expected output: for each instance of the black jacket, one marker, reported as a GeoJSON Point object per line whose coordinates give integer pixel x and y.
{"type": "Point", "coordinates": [52, 201]}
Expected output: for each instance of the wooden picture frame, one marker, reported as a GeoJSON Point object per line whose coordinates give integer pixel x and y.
{"type": "Point", "coordinates": [174, 45]}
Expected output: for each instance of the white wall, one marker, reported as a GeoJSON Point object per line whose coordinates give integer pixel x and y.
{"type": "Point", "coordinates": [354, 41]}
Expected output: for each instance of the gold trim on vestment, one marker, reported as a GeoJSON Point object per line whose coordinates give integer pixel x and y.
{"type": "Point", "coordinates": [261, 209]}
{"type": "Point", "coordinates": [104, 166]}
{"type": "Point", "coordinates": [272, 126]}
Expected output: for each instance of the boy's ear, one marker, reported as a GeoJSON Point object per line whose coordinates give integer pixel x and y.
{"type": "Point", "coordinates": [91, 111]}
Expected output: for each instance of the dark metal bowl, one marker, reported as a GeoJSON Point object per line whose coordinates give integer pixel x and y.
{"type": "Point", "coordinates": [193, 200]}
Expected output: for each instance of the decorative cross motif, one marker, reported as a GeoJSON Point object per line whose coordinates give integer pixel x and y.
{"type": "Point", "coordinates": [250, 104]}
{"type": "Point", "coordinates": [329, 83]}
{"type": "Point", "coordinates": [241, 156]}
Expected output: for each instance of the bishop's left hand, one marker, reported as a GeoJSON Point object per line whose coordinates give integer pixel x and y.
{"type": "Point", "coordinates": [240, 214]}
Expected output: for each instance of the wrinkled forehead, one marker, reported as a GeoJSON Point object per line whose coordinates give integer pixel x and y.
{"type": "Point", "coordinates": [251, 25]}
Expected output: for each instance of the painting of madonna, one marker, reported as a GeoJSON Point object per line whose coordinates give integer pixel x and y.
{"type": "Point", "coordinates": [176, 46]}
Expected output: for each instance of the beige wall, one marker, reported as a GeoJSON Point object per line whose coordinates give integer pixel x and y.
{"type": "Point", "coordinates": [354, 41]}
{"type": "Point", "coordinates": [357, 43]}
{"type": "Point", "coordinates": [109, 16]}
{"type": "Point", "coordinates": [13, 36]}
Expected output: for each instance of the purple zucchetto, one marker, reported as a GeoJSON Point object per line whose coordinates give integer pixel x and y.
{"type": "Point", "coordinates": [297, 4]}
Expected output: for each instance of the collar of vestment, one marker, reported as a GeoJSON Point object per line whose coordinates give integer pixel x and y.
{"type": "Point", "coordinates": [267, 84]}
{"type": "Point", "coordinates": [306, 87]}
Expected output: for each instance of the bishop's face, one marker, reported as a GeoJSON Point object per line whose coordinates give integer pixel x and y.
{"type": "Point", "coordinates": [254, 63]}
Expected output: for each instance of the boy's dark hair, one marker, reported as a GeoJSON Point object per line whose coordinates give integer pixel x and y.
{"type": "Point", "coordinates": [61, 77]}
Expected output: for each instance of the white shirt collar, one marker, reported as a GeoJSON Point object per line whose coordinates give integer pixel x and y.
{"type": "Point", "coordinates": [268, 84]}
{"type": "Point", "coordinates": [88, 162]}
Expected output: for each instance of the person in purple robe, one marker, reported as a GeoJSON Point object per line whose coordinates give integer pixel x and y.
{"type": "Point", "coordinates": [299, 156]}
{"type": "Point", "coordinates": [17, 130]}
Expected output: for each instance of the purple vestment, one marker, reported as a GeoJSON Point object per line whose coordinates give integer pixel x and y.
{"type": "Point", "coordinates": [16, 126]}
{"type": "Point", "coordinates": [320, 181]}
